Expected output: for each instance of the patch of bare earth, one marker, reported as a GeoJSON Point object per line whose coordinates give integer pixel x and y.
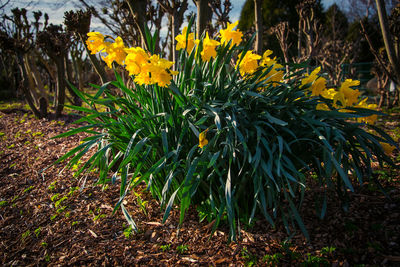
{"type": "Point", "coordinates": [50, 217]}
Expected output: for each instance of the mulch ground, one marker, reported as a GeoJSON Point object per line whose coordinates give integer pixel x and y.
{"type": "Point", "coordinates": [52, 218]}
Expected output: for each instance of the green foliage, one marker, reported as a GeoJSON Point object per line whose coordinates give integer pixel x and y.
{"type": "Point", "coordinates": [58, 202]}
{"type": "Point", "coordinates": [315, 261]}
{"type": "Point", "coordinates": [72, 190]}
{"type": "Point", "coordinates": [47, 258]}
{"type": "Point", "coordinates": [99, 216]}
{"type": "Point", "coordinates": [142, 204]}
{"type": "Point", "coordinates": [272, 259]}
{"type": "Point", "coordinates": [289, 253]}
{"type": "Point", "coordinates": [165, 247]}
{"type": "Point", "coordinates": [37, 231]}
{"type": "Point", "coordinates": [181, 249]}
{"type": "Point", "coordinates": [54, 197]}
{"type": "Point", "coordinates": [61, 209]}
{"type": "Point", "coordinates": [25, 235]}
{"type": "Point", "coordinates": [262, 139]}
{"type": "Point", "coordinates": [52, 186]}
{"type": "Point", "coordinates": [327, 250]}
{"type": "Point", "coordinates": [128, 232]}
{"type": "Point", "coordinates": [28, 189]}
{"type": "Point", "coordinates": [15, 198]}
{"type": "Point", "coordinates": [250, 259]}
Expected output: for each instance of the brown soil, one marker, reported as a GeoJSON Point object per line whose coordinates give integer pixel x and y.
{"type": "Point", "coordinates": [43, 220]}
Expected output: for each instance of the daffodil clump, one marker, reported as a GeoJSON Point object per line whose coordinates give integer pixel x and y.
{"type": "Point", "coordinates": [230, 132]}
{"type": "Point", "coordinates": [342, 98]}
{"type": "Point", "coordinates": [147, 69]}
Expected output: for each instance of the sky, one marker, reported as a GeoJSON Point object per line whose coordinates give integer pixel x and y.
{"type": "Point", "coordinates": [56, 8]}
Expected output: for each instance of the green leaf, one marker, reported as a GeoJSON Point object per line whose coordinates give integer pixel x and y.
{"type": "Point", "coordinates": [298, 219]}
{"type": "Point", "coordinates": [214, 159]}
{"type": "Point", "coordinates": [129, 218]}
{"type": "Point", "coordinates": [169, 206]}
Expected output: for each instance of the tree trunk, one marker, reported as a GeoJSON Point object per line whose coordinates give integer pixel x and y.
{"type": "Point", "coordinates": [174, 32]}
{"type": "Point", "coordinates": [299, 32]}
{"type": "Point", "coordinates": [204, 15]}
{"type": "Point", "coordinates": [176, 21]}
{"type": "Point", "coordinates": [387, 38]}
{"type": "Point", "coordinates": [76, 100]}
{"type": "Point", "coordinates": [396, 96]}
{"type": "Point", "coordinates": [259, 27]}
{"type": "Point", "coordinates": [78, 69]}
{"type": "Point", "coordinates": [42, 98]}
{"type": "Point", "coordinates": [31, 82]}
{"type": "Point", "coordinates": [138, 12]}
{"type": "Point", "coordinates": [25, 86]}
{"type": "Point", "coordinates": [60, 92]}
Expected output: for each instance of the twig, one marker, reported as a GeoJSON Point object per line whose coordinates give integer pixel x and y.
{"type": "Point", "coordinates": [371, 47]}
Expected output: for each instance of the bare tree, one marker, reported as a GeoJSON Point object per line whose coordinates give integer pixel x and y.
{"type": "Point", "coordinates": [78, 23]}
{"type": "Point", "coordinates": [221, 13]}
{"type": "Point", "coordinates": [258, 24]}
{"type": "Point", "coordinates": [282, 34]}
{"type": "Point", "coordinates": [116, 17]}
{"type": "Point", "coordinates": [309, 29]}
{"type": "Point", "coordinates": [17, 38]}
{"type": "Point", "coordinates": [389, 41]}
{"type": "Point", "coordinates": [387, 63]}
{"type": "Point", "coordinates": [357, 9]}
{"type": "Point", "coordinates": [55, 42]}
{"type": "Point", "coordinates": [3, 5]}
{"type": "Point", "coordinates": [333, 49]}
{"type": "Point", "coordinates": [176, 10]}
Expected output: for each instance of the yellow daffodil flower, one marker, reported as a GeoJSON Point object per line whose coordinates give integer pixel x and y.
{"type": "Point", "coordinates": [160, 73]}
{"type": "Point", "coordinates": [182, 41]}
{"type": "Point", "coordinates": [95, 43]}
{"type": "Point", "coordinates": [387, 148]}
{"type": "Point", "coordinates": [229, 34]}
{"type": "Point", "coordinates": [274, 76]}
{"type": "Point", "coordinates": [328, 93]}
{"type": "Point", "coordinates": [249, 63]}
{"type": "Point", "coordinates": [310, 78]}
{"type": "Point", "coordinates": [143, 78]}
{"type": "Point", "coordinates": [203, 138]}
{"type": "Point", "coordinates": [135, 59]}
{"type": "Point", "coordinates": [322, 106]}
{"type": "Point", "coordinates": [350, 95]}
{"type": "Point", "coordinates": [370, 119]}
{"type": "Point", "coordinates": [318, 84]}
{"type": "Point", "coordinates": [148, 69]}
{"type": "Point", "coordinates": [116, 52]}
{"type": "Point", "coordinates": [209, 46]}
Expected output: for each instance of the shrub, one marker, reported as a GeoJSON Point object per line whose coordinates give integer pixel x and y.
{"type": "Point", "coordinates": [235, 139]}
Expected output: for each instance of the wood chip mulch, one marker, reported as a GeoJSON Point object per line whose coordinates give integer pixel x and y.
{"type": "Point", "coordinates": [52, 218]}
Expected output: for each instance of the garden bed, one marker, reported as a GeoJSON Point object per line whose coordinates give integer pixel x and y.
{"type": "Point", "coordinates": [50, 217]}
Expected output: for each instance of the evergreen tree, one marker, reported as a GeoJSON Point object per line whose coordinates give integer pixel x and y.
{"type": "Point", "coordinates": [336, 24]}
{"type": "Point", "coordinates": [273, 12]}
